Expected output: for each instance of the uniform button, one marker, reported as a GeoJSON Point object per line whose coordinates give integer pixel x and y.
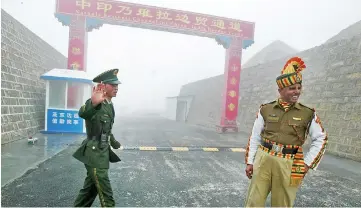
{"type": "Point", "coordinates": [93, 147]}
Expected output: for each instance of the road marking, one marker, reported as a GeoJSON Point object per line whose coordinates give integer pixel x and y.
{"type": "Point", "coordinates": [210, 149]}
{"type": "Point", "coordinates": [148, 148]}
{"type": "Point", "coordinates": [180, 149]}
{"type": "Point", "coordinates": [238, 150]}
{"type": "Point", "coordinates": [183, 149]}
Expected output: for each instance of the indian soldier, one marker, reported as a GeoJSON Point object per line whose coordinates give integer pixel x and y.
{"type": "Point", "coordinates": [274, 156]}
{"type": "Point", "coordinates": [95, 152]}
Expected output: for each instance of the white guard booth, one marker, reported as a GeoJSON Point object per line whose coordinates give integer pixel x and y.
{"type": "Point", "coordinates": [61, 113]}
{"type": "Point", "coordinates": [177, 108]}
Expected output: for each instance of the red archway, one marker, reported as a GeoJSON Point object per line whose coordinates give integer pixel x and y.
{"type": "Point", "coordinates": [83, 16]}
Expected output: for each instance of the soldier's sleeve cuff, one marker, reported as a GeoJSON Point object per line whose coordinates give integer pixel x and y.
{"type": "Point", "coordinates": [92, 107]}
{"type": "Point", "coordinates": [88, 110]}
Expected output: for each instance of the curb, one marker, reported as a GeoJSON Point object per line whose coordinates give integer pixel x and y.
{"type": "Point", "coordinates": [33, 167]}
{"type": "Point", "coordinates": [183, 149]}
{"type": "Point", "coordinates": [37, 164]}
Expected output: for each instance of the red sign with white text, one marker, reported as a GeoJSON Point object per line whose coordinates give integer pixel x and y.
{"type": "Point", "coordinates": [157, 18]}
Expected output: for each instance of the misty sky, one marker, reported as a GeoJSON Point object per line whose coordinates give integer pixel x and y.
{"type": "Point", "coordinates": [154, 64]}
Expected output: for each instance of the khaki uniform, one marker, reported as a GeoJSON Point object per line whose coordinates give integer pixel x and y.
{"type": "Point", "coordinates": [271, 174]}
{"type": "Point", "coordinates": [275, 150]}
{"type": "Point", "coordinates": [286, 127]}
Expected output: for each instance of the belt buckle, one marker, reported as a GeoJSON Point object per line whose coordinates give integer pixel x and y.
{"type": "Point", "coordinates": [277, 148]}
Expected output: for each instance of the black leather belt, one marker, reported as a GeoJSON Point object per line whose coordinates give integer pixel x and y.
{"type": "Point", "coordinates": [93, 137]}
{"type": "Point", "coordinates": [277, 148]}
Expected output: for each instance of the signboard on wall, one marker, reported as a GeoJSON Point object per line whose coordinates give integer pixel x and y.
{"type": "Point", "coordinates": [64, 121]}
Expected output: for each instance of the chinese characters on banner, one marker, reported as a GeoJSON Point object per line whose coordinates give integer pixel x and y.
{"type": "Point", "coordinates": [76, 52]}
{"type": "Point", "coordinates": [64, 121]}
{"type": "Point", "coordinates": [156, 18]}
{"type": "Point", "coordinates": [232, 77]}
{"type": "Point", "coordinates": [77, 43]}
{"type": "Point", "coordinates": [159, 18]}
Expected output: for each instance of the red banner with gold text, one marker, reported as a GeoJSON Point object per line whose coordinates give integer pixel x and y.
{"type": "Point", "coordinates": [231, 89]}
{"type": "Point", "coordinates": [77, 44]}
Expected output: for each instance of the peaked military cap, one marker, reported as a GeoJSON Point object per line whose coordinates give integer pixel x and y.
{"type": "Point", "coordinates": [108, 77]}
{"type": "Point", "coordinates": [291, 73]}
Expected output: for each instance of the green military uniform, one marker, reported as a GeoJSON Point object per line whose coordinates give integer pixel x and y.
{"type": "Point", "coordinates": [95, 151]}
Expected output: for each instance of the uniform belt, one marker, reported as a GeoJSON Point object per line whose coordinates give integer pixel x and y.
{"type": "Point", "coordinates": [93, 137]}
{"type": "Point", "coordinates": [277, 148]}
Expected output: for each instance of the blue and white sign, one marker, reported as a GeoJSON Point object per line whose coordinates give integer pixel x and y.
{"type": "Point", "coordinates": [64, 121]}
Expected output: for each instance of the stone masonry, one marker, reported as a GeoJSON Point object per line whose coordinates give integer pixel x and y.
{"type": "Point", "coordinates": [332, 86]}
{"type": "Point", "coordinates": [24, 57]}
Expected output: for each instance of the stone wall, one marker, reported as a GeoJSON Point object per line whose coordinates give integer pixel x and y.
{"type": "Point", "coordinates": [332, 85]}
{"type": "Point", "coordinates": [24, 57]}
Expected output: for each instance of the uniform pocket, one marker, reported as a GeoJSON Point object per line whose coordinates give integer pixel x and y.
{"type": "Point", "coordinates": [106, 123]}
{"type": "Point", "coordinates": [258, 161]}
{"type": "Point", "coordinates": [272, 125]}
{"type": "Point", "coordinates": [296, 128]}
{"type": "Point", "coordinates": [92, 145]}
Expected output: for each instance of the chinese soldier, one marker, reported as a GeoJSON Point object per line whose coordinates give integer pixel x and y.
{"type": "Point", "coordinates": [274, 157]}
{"type": "Point", "coordinates": [95, 152]}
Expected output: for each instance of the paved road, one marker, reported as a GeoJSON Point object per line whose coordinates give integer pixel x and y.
{"type": "Point", "coordinates": [19, 156]}
{"type": "Point", "coordinates": [168, 178]}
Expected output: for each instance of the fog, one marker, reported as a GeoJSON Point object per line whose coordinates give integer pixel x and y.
{"type": "Point", "coordinates": [154, 65]}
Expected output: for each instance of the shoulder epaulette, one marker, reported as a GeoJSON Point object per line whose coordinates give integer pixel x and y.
{"type": "Point", "coordinates": [272, 102]}
{"type": "Point", "coordinates": [267, 103]}
{"type": "Point", "coordinates": [312, 109]}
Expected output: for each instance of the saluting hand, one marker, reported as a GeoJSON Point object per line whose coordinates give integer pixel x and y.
{"type": "Point", "coordinates": [98, 94]}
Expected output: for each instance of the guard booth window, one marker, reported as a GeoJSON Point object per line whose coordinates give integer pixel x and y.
{"type": "Point", "coordinates": [57, 95]}
{"type": "Point", "coordinates": [82, 91]}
